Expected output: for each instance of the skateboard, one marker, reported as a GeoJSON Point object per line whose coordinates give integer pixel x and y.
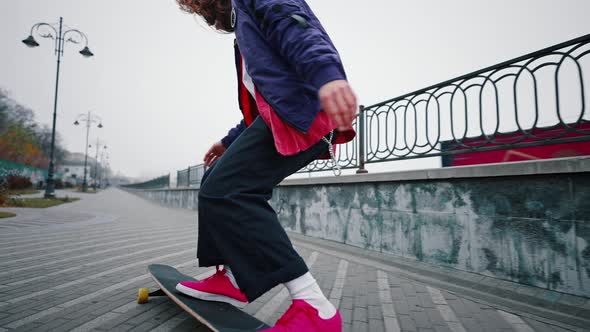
{"type": "Point", "coordinates": [218, 316]}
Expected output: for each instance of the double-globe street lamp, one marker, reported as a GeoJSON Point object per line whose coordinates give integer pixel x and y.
{"type": "Point", "coordinates": [89, 119]}
{"type": "Point", "coordinates": [98, 144]}
{"type": "Point", "coordinates": [103, 170]}
{"type": "Point", "coordinates": [52, 31]}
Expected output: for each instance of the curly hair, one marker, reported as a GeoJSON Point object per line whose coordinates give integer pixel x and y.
{"type": "Point", "coordinates": [217, 13]}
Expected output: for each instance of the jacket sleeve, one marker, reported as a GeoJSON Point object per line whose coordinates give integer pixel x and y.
{"type": "Point", "coordinates": [233, 134]}
{"type": "Point", "coordinates": [287, 28]}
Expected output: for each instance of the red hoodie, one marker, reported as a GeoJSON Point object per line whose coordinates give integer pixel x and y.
{"type": "Point", "coordinates": [288, 140]}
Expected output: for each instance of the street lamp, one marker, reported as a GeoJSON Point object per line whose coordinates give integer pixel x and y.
{"type": "Point", "coordinates": [98, 144]}
{"type": "Point", "coordinates": [104, 158]}
{"type": "Point", "coordinates": [60, 37]}
{"type": "Point", "coordinates": [89, 119]}
{"type": "Point", "coordinates": [105, 171]}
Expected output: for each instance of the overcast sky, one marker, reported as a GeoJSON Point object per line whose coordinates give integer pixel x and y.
{"type": "Point", "coordinates": [164, 84]}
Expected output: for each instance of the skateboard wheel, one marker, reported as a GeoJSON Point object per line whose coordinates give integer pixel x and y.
{"type": "Point", "coordinates": [143, 295]}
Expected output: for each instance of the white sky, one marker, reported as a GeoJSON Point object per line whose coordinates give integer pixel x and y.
{"type": "Point", "coordinates": [165, 85]}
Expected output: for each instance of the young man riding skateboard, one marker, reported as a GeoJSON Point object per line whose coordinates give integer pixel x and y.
{"type": "Point", "coordinates": [296, 103]}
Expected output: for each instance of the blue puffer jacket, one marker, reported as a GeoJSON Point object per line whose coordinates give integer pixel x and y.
{"type": "Point", "coordinates": [289, 57]}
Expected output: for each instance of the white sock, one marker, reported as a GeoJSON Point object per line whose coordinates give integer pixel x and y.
{"type": "Point", "coordinates": [230, 275]}
{"type": "Point", "coordinates": [306, 288]}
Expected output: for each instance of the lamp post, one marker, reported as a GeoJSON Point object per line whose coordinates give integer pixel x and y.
{"type": "Point", "coordinates": [104, 159]}
{"type": "Point", "coordinates": [59, 36]}
{"type": "Point", "coordinates": [89, 119]}
{"type": "Point", "coordinates": [98, 144]}
{"type": "Point", "coordinates": [105, 175]}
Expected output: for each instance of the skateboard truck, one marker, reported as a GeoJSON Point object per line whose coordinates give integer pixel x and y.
{"type": "Point", "coordinates": [144, 294]}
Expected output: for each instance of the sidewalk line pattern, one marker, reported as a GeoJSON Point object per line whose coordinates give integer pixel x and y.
{"type": "Point", "coordinates": [73, 257]}
{"type": "Point", "coordinates": [30, 241]}
{"type": "Point", "coordinates": [98, 275]}
{"type": "Point", "coordinates": [56, 234]}
{"type": "Point", "coordinates": [67, 251]}
{"type": "Point", "coordinates": [269, 308]}
{"type": "Point", "coordinates": [89, 240]}
{"type": "Point", "coordinates": [102, 244]}
{"type": "Point", "coordinates": [389, 316]}
{"type": "Point", "coordinates": [445, 310]}
{"type": "Point", "coordinates": [336, 294]}
{"type": "Point", "coordinates": [97, 262]}
{"type": "Point", "coordinates": [517, 323]}
{"type": "Point", "coordinates": [12, 284]}
{"type": "Point", "coordinates": [27, 238]}
{"type": "Point", "coordinates": [98, 321]}
{"type": "Point", "coordinates": [78, 300]}
{"type": "Point", "coordinates": [60, 226]}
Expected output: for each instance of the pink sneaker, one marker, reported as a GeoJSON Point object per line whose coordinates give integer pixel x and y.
{"type": "Point", "coordinates": [303, 317]}
{"type": "Point", "coordinates": [217, 287]}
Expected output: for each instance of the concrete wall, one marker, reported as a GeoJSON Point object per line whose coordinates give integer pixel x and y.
{"type": "Point", "coordinates": [184, 198]}
{"type": "Point", "coordinates": [526, 222]}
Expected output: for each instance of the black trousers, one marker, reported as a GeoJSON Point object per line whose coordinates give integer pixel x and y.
{"type": "Point", "coordinates": [237, 225]}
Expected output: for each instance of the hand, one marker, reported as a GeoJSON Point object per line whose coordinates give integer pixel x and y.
{"type": "Point", "coordinates": [214, 153]}
{"type": "Point", "coordinates": [339, 102]}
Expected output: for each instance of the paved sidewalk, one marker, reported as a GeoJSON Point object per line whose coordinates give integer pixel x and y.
{"type": "Point", "coordinates": [77, 267]}
{"type": "Point", "coordinates": [58, 193]}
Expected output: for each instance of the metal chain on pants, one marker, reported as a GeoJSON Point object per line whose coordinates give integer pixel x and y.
{"type": "Point", "coordinates": [335, 166]}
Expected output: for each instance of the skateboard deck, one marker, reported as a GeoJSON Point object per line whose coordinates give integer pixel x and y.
{"type": "Point", "coordinates": [218, 316]}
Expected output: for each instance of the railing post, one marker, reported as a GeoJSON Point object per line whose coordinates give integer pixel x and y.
{"type": "Point", "coordinates": [188, 176]}
{"type": "Point", "coordinates": [361, 139]}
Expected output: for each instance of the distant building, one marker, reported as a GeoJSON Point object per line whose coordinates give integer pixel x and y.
{"type": "Point", "coordinates": [72, 169]}
{"type": "Point", "coordinates": [73, 173]}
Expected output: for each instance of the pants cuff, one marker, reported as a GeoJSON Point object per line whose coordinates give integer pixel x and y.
{"type": "Point", "coordinates": [290, 271]}
{"type": "Point", "coordinates": [208, 261]}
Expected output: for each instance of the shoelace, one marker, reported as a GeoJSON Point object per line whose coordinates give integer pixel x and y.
{"type": "Point", "coordinates": [335, 166]}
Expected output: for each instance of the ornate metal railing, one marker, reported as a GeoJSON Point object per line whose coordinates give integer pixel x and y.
{"type": "Point", "coordinates": [157, 183]}
{"type": "Point", "coordinates": [537, 99]}
{"type": "Point", "coordinates": [346, 156]}
{"type": "Point", "coordinates": [190, 177]}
